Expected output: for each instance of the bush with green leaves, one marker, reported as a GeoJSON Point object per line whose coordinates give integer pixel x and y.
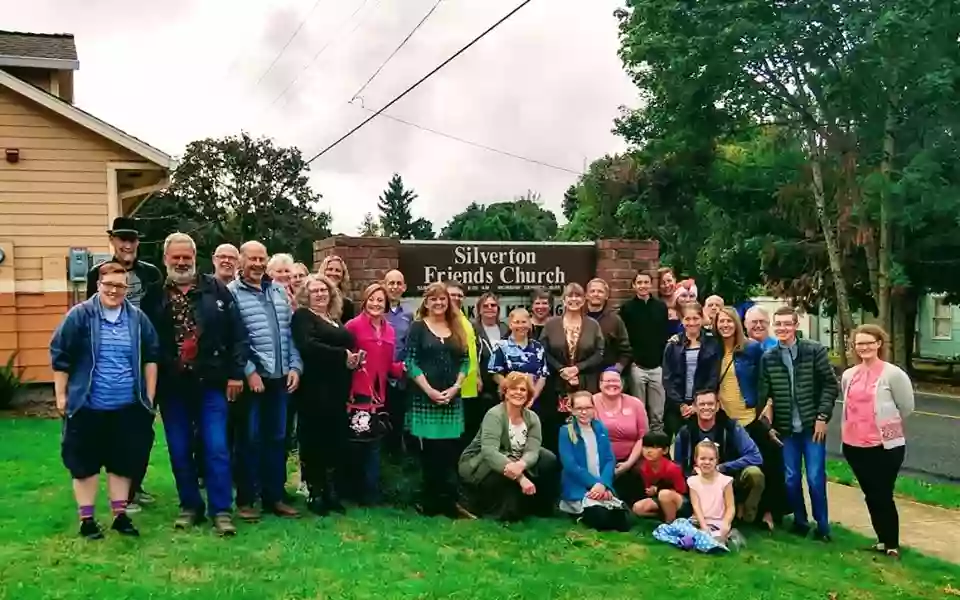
{"type": "Point", "coordinates": [11, 382]}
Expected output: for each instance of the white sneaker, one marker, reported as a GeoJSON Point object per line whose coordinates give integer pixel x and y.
{"type": "Point", "coordinates": [133, 507]}
{"type": "Point", "coordinates": [303, 490]}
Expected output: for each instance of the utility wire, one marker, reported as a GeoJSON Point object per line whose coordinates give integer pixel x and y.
{"type": "Point", "coordinates": [321, 51]}
{"type": "Point", "coordinates": [394, 53]}
{"type": "Point", "coordinates": [420, 81]}
{"type": "Point", "coordinates": [475, 144]}
{"type": "Point", "coordinates": [293, 36]}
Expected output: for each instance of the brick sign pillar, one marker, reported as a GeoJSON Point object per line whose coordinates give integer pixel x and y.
{"type": "Point", "coordinates": [619, 260]}
{"type": "Point", "coordinates": [368, 258]}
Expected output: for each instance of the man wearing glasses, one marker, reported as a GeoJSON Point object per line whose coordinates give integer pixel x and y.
{"type": "Point", "coordinates": [144, 286]}
{"type": "Point", "coordinates": [226, 259]}
{"type": "Point", "coordinates": [756, 322]}
{"type": "Point", "coordinates": [104, 357]}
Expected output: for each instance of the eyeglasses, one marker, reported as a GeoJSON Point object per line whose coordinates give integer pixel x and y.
{"type": "Point", "coordinates": [866, 344]}
{"type": "Point", "coordinates": [491, 305]}
{"type": "Point", "coordinates": [582, 409]}
{"type": "Point", "coordinates": [114, 287]}
{"type": "Point", "coordinates": [225, 257]}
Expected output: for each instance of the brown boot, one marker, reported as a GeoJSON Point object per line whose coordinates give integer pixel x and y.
{"type": "Point", "coordinates": [285, 510]}
{"type": "Point", "coordinates": [250, 514]}
{"type": "Point", "coordinates": [223, 523]}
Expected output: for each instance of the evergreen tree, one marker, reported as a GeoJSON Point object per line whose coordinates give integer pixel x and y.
{"type": "Point", "coordinates": [396, 218]}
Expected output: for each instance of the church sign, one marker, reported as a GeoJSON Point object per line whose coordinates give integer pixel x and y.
{"type": "Point", "coordinates": [505, 268]}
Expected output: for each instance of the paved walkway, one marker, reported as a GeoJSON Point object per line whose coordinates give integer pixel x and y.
{"type": "Point", "coordinates": [928, 529]}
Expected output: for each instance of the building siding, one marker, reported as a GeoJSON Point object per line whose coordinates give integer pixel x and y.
{"type": "Point", "coordinates": [930, 346]}
{"type": "Point", "coordinates": [55, 198]}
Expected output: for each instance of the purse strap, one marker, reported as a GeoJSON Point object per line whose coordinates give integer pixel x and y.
{"type": "Point", "coordinates": [376, 401]}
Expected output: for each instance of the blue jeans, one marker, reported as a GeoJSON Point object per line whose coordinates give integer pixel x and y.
{"type": "Point", "coordinates": [262, 449]}
{"type": "Point", "coordinates": [199, 414]}
{"type": "Point", "coordinates": [799, 451]}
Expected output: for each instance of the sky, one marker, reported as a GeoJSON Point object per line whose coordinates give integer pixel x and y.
{"type": "Point", "coordinates": [545, 85]}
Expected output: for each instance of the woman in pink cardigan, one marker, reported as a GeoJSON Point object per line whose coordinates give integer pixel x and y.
{"type": "Point", "coordinates": [375, 342]}
{"type": "Point", "coordinates": [877, 397]}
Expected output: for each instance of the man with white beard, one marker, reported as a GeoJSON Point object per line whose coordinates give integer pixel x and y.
{"type": "Point", "coordinates": [203, 349]}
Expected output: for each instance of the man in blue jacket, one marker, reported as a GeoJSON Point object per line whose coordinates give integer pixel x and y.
{"type": "Point", "coordinates": [272, 373]}
{"type": "Point", "coordinates": [104, 357]}
{"type": "Point", "coordinates": [204, 351]}
{"type": "Point", "coordinates": [739, 456]}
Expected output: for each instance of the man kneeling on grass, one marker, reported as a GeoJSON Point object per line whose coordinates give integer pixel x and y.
{"type": "Point", "coordinates": [104, 358]}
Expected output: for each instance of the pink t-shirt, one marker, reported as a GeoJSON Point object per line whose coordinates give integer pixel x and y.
{"type": "Point", "coordinates": [859, 408]}
{"type": "Point", "coordinates": [626, 422]}
{"type": "Point", "coordinates": [710, 494]}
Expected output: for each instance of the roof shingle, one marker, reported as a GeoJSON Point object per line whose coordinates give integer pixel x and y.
{"type": "Point", "coordinates": [59, 46]}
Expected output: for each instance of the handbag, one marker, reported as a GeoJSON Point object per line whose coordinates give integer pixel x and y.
{"type": "Point", "coordinates": [368, 421]}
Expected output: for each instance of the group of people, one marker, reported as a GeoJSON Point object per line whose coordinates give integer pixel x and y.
{"type": "Point", "coordinates": [661, 408]}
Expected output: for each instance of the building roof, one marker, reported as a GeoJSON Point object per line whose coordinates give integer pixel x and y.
{"type": "Point", "coordinates": [19, 48]}
{"type": "Point", "coordinates": [86, 120]}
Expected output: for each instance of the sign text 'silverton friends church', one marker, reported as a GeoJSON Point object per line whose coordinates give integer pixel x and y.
{"type": "Point", "coordinates": [503, 268]}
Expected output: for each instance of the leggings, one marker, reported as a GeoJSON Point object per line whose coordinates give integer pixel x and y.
{"type": "Point", "coordinates": [876, 470]}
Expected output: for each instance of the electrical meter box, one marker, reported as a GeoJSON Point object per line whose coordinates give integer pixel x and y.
{"type": "Point", "coordinates": [78, 264]}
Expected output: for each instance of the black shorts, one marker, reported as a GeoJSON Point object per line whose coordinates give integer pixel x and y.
{"type": "Point", "coordinates": [116, 440]}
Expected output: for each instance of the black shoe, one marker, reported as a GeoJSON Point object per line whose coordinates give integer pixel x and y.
{"type": "Point", "coordinates": [124, 526]}
{"type": "Point", "coordinates": [318, 507]}
{"type": "Point", "coordinates": [822, 537]}
{"type": "Point", "coordinates": [90, 529]}
{"type": "Point", "coordinates": [330, 496]}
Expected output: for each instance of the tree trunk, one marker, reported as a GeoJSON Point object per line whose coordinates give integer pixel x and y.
{"type": "Point", "coordinates": [908, 304]}
{"type": "Point", "coordinates": [830, 238]}
{"type": "Point", "coordinates": [883, 251]}
{"type": "Point", "coordinates": [899, 323]}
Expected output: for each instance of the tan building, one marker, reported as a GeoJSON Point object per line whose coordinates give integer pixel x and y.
{"type": "Point", "coordinates": [64, 176]}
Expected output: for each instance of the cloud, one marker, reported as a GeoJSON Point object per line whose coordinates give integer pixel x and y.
{"type": "Point", "coordinates": [546, 85]}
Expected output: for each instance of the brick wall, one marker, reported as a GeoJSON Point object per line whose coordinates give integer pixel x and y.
{"type": "Point", "coordinates": [619, 260]}
{"type": "Point", "coordinates": [368, 258]}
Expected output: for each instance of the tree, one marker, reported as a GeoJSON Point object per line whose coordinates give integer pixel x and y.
{"type": "Point", "coordinates": [370, 226]}
{"type": "Point", "coordinates": [570, 203]}
{"type": "Point", "coordinates": [516, 221]}
{"type": "Point", "coordinates": [851, 79]}
{"type": "Point", "coordinates": [396, 219]}
{"type": "Point", "coordinates": [236, 189]}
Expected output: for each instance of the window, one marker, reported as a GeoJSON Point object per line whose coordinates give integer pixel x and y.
{"type": "Point", "coordinates": [942, 319]}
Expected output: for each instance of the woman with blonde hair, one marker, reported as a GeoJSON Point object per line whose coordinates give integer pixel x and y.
{"type": "Point", "coordinates": [437, 363]}
{"type": "Point", "coordinates": [335, 268]}
{"type": "Point", "coordinates": [738, 374]}
{"type": "Point", "coordinates": [574, 349]}
{"type": "Point", "coordinates": [325, 347]}
{"type": "Point", "coordinates": [506, 472]}
{"type": "Point", "coordinates": [877, 398]}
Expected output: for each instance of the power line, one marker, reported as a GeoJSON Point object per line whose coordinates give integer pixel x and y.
{"type": "Point", "coordinates": [394, 53]}
{"type": "Point", "coordinates": [293, 36]}
{"type": "Point", "coordinates": [476, 144]}
{"type": "Point", "coordinates": [422, 79]}
{"type": "Point", "coordinates": [321, 51]}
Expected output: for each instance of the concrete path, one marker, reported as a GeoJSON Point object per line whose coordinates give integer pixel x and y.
{"type": "Point", "coordinates": [928, 529]}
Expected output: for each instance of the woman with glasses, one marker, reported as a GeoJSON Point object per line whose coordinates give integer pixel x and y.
{"type": "Point", "coordinates": [520, 353]}
{"type": "Point", "coordinates": [489, 330]}
{"type": "Point", "coordinates": [877, 398]}
{"type": "Point", "coordinates": [505, 471]}
{"type": "Point", "coordinates": [574, 347]}
{"type": "Point", "coordinates": [588, 469]}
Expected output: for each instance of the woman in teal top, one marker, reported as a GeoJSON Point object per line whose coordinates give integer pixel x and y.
{"type": "Point", "coordinates": [437, 362]}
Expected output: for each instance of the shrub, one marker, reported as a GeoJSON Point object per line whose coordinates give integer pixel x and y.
{"type": "Point", "coordinates": [10, 382]}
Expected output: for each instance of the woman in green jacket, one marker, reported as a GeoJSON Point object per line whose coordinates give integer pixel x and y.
{"type": "Point", "coordinates": [505, 472]}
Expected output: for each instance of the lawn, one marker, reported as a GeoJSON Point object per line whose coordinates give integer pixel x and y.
{"type": "Point", "coordinates": [938, 494]}
{"type": "Point", "coordinates": [388, 553]}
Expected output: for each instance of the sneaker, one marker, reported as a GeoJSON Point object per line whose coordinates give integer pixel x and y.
{"type": "Point", "coordinates": [187, 518]}
{"type": "Point", "coordinates": [124, 526]}
{"type": "Point", "coordinates": [134, 507]}
{"type": "Point", "coordinates": [250, 514]}
{"type": "Point", "coordinates": [223, 524]}
{"type": "Point", "coordinates": [303, 490]}
{"type": "Point", "coordinates": [735, 541]}
{"type": "Point", "coordinates": [90, 529]}
{"type": "Point", "coordinates": [281, 509]}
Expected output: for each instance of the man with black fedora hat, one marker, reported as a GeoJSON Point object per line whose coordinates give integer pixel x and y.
{"type": "Point", "coordinates": [145, 285]}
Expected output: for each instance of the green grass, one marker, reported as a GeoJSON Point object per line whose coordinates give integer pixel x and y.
{"type": "Point", "coordinates": [387, 553]}
{"type": "Point", "coordinates": [938, 494]}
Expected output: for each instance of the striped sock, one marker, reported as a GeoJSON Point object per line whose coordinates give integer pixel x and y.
{"type": "Point", "coordinates": [118, 507]}
{"type": "Point", "coordinates": [86, 512]}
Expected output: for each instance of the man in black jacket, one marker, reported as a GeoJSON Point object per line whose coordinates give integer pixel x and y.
{"type": "Point", "coordinates": [144, 281]}
{"type": "Point", "coordinates": [648, 329]}
{"type": "Point", "coordinates": [203, 351]}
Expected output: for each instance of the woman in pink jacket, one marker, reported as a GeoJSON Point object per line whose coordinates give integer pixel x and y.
{"type": "Point", "coordinates": [375, 342]}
